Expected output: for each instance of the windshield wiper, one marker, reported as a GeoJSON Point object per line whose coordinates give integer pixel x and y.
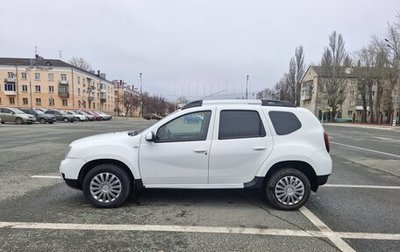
{"type": "Point", "coordinates": [133, 133]}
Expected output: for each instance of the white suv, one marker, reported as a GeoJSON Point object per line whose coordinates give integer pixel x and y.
{"type": "Point", "coordinates": [210, 144]}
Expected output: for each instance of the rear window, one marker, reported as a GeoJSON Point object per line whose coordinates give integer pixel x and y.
{"type": "Point", "coordinates": [284, 122]}
{"type": "Point", "coordinates": [240, 124]}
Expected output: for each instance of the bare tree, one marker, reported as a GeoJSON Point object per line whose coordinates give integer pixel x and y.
{"type": "Point", "coordinates": [366, 59]}
{"type": "Point", "coordinates": [293, 78]}
{"type": "Point", "coordinates": [131, 101]}
{"type": "Point", "coordinates": [332, 66]}
{"type": "Point", "coordinates": [81, 63]}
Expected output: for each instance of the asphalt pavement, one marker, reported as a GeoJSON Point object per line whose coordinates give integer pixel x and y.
{"type": "Point", "coordinates": [357, 211]}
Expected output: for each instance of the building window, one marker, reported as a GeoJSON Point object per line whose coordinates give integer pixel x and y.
{"type": "Point", "coordinates": [9, 87]}
{"type": "Point", "coordinates": [37, 88]}
{"type": "Point", "coordinates": [79, 92]}
{"type": "Point", "coordinates": [63, 77]}
{"type": "Point", "coordinates": [25, 101]}
{"type": "Point", "coordinates": [350, 113]}
{"type": "Point", "coordinates": [50, 76]}
{"type": "Point", "coordinates": [65, 102]}
{"type": "Point", "coordinates": [23, 75]}
{"type": "Point", "coordinates": [352, 92]}
{"type": "Point", "coordinates": [51, 101]}
{"type": "Point", "coordinates": [24, 88]}
{"type": "Point", "coordinates": [373, 93]}
{"type": "Point", "coordinates": [51, 89]}
{"type": "Point", "coordinates": [38, 102]}
{"type": "Point", "coordinates": [37, 76]}
{"type": "Point", "coordinates": [12, 100]}
{"type": "Point", "coordinates": [351, 103]}
{"type": "Point", "coordinates": [0, 100]}
{"type": "Point", "coordinates": [79, 80]}
{"type": "Point", "coordinates": [10, 75]}
{"type": "Point", "coordinates": [353, 81]}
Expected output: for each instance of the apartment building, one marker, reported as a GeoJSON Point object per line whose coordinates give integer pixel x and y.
{"type": "Point", "coordinates": [52, 83]}
{"type": "Point", "coordinates": [127, 99]}
{"type": "Point", "coordinates": [351, 109]}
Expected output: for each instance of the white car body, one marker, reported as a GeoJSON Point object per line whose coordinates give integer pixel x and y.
{"type": "Point", "coordinates": [209, 163]}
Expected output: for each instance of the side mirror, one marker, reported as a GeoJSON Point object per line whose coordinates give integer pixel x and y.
{"type": "Point", "coordinates": [150, 137]}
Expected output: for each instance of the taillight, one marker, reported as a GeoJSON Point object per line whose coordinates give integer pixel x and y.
{"type": "Point", "coordinates": [326, 139]}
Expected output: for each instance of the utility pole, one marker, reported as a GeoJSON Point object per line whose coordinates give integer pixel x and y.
{"type": "Point", "coordinates": [141, 95]}
{"type": "Point", "coordinates": [247, 86]}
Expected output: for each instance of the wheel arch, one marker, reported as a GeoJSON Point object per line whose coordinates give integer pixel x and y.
{"type": "Point", "coordinates": [301, 166]}
{"type": "Point", "coordinates": [93, 163]}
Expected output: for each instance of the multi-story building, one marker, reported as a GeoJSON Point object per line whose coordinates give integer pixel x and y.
{"type": "Point", "coordinates": [127, 99]}
{"type": "Point", "coordinates": [314, 98]}
{"type": "Point", "coordinates": [52, 83]}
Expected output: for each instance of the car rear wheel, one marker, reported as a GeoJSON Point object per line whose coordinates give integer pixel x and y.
{"type": "Point", "coordinates": [42, 120]}
{"type": "Point", "coordinates": [288, 189]}
{"type": "Point", "coordinates": [106, 186]}
{"type": "Point", "coordinates": [66, 119]}
{"type": "Point", "coordinates": [19, 121]}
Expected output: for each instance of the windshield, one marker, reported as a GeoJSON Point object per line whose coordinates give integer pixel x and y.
{"type": "Point", "coordinates": [17, 111]}
{"type": "Point", "coordinates": [38, 111]}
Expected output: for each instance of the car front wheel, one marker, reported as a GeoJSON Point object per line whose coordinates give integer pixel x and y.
{"type": "Point", "coordinates": [106, 186]}
{"type": "Point", "coordinates": [288, 189]}
{"type": "Point", "coordinates": [66, 120]}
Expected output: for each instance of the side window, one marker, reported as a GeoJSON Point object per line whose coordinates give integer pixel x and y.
{"type": "Point", "coordinates": [240, 124]}
{"type": "Point", "coordinates": [189, 127]}
{"type": "Point", "coordinates": [284, 122]}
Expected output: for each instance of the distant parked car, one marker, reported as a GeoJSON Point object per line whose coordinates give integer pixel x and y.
{"type": "Point", "coordinates": [89, 116]}
{"type": "Point", "coordinates": [150, 116]}
{"type": "Point", "coordinates": [96, 116]}
{"type": "Point", "coordinates": [193, 118]}
{"type": "Point", "coordinates": [40, 116]}
{"type": "Point", "coordinates": [78, 117]}
{"type": "Point", "coordinates": [103, 115]}
{"type": "Point", "coordinates": [15, 115]}
{"type": "Point", "coordinates": [60, 115]}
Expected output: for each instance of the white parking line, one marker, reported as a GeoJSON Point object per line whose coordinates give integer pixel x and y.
{"type": "Point", "coordinates": [363, 186]}
{"type": "Point", "coordinates": [335, 239]}
{"type": "Point", "coordinates": [364, 149]}
{"type": "Point", "coordinates": [47, 177]}
{"type": "Point", "coordinates": [324, 233]}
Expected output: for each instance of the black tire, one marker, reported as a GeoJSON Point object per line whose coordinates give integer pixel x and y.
{"type": "Point", "coordinates": [66, 119]}
{"type": "Point", "coordinates": [124, 182]}
{"type": "Point", "coordinates": [2, 122]}
{"type": "Point", "coordinates": [42, 121]}
{"type": "Point", "coordinates": [19, 120]}
{"type": "Point", "coordinates": [272, 191]}
{"type": "Point", "coordinates": [51, 122]}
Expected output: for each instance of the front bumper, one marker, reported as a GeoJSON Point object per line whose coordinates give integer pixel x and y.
{"type": "Point", "coordinates": [70, 168]}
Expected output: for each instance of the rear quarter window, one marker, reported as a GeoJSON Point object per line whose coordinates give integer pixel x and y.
{"type": "Point", "coordinates": [284, 122]}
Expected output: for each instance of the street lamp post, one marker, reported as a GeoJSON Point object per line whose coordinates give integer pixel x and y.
{"type": "Point", "coordinates": [247, 86]}
{"type": "Point", "coordinates": [141, 95]}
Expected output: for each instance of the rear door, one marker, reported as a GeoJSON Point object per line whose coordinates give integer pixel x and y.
{"type": "Point", "coordinates": [241, 144]}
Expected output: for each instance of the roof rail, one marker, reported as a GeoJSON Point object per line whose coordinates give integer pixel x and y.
{"type": "Point", "coordinates": [193, 104]}
{"type": "Point", "coordinates": [277, 103]}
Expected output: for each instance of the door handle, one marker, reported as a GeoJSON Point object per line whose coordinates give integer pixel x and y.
{"type": "Point", "coordinates": [258, 148]}
{"type": "Point", "coordinates": [200, 150]}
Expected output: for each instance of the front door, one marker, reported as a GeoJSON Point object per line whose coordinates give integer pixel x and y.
{"type": "Point", "coordinates": [180, 153]}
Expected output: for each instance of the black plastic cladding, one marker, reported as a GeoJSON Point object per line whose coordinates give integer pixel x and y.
{"type": "Point", "coordinates": [193, 104]}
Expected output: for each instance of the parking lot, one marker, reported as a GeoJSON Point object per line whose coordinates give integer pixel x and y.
{"type": "Point", "coordinates": [357, 211]}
